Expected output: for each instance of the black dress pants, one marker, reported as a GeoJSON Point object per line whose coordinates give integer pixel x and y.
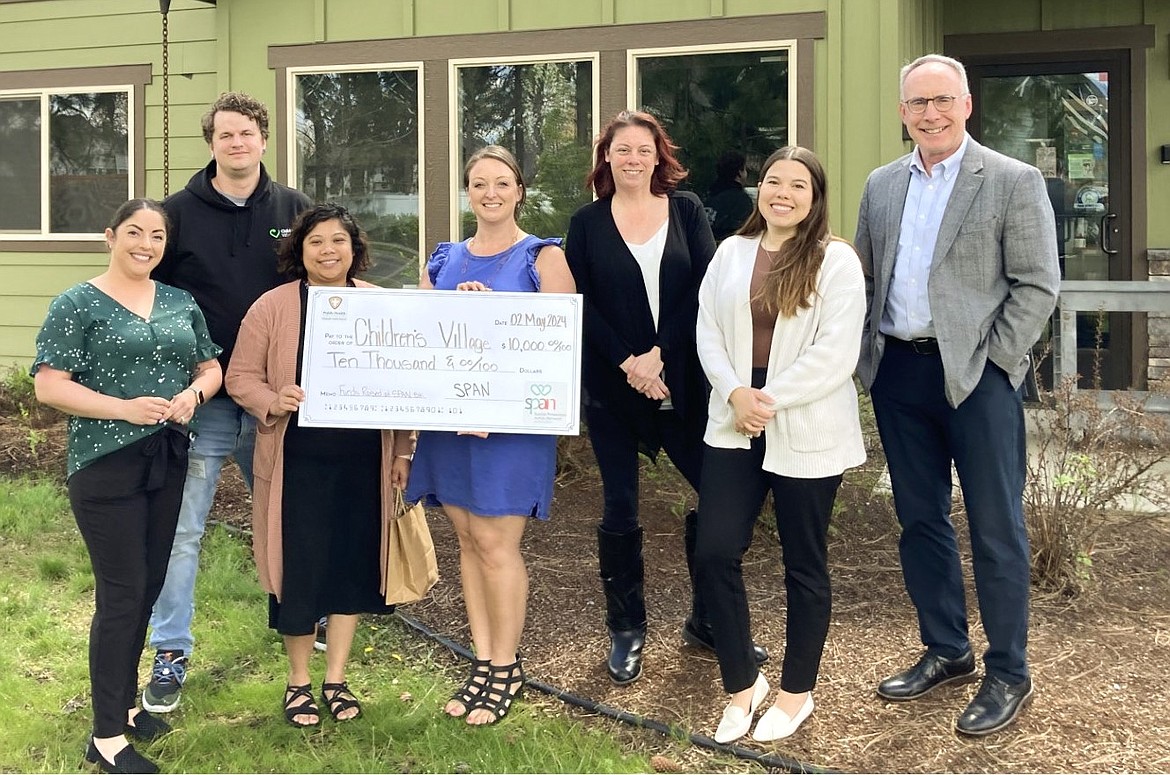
{"type": "Point", "coordinates": [734, 487]}
{"type": "Point", "coordinates": [126, 505]}
{"type": "Point", "coordinates": [615, 445]}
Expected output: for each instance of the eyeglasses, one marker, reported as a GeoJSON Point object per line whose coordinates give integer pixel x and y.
{"type": "Point", "coordinates": [942, 103]}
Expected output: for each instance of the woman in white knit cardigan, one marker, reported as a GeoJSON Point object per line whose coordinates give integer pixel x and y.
{"type": "Point", "coordinates": [780, 316]}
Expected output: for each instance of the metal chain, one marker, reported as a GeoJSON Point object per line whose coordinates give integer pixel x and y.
{"type": "Point", "coordinates": [166, 109]}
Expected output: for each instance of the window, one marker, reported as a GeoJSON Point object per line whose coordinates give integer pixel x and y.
{"type": "Point", "coordinates": [543, 112]}
{"type": "Point", "coordinates": [731, 98]}
{"type": "Point", "coordinates": [543, 93]}
{"type": "Point", "coordinates": [357, 144]}
{"type": "Point", "coordinates": [65, 161]}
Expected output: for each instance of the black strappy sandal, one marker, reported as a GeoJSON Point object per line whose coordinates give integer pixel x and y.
{"type": "Point", "coordinates": [342, 700]}
{"type": "Point", "coordinates": [496, 696]}
{"type": "Point", "coordinates": [471, 688]}
{"type": "Point", "coordinates": [306, 708]}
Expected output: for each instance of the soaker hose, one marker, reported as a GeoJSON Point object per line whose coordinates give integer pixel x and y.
{"type": "Point", "coordinates": [771, 761]}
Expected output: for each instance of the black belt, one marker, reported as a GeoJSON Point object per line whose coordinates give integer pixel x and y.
{"type": "Point", "coordinates": [923, 346]}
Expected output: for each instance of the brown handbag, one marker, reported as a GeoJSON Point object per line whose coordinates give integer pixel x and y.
{"type": "Point", "coordinates": [408, 554]}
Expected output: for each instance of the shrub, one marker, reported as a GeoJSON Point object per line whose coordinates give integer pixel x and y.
{"type": "Point", "coordinates": [1093, 454]}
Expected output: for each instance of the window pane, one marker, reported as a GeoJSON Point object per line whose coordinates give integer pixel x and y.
{"type": "Point", "coordinates": [357, 145]}
{"type": "Point", "coordinates": [542, 113]}
{"type": "Point", "coordinates": [89, 160]}
{"type": "Point", "coordinates": [713, 103]}
{"type": "Point", "coordinates": [20, 164]}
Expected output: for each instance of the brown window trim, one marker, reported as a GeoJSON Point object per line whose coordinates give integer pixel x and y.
{"type": "Point", "coordinates": [610, 41]}
{"type": "Point", "coordinates": [138, 77]}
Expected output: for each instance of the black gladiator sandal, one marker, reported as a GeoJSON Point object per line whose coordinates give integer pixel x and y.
{"type": "Point", "coordinates": [497, 694]}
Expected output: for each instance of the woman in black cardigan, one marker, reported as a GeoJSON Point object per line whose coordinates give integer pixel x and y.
{"type": "Point", "coordinates": [638, 255]}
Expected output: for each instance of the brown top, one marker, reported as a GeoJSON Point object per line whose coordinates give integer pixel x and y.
{"type": "Point", "coordinates": [763, 321]}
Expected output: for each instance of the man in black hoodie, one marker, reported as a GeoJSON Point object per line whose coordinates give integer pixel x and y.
{"type": "Point", "coordinates": [225, 226]}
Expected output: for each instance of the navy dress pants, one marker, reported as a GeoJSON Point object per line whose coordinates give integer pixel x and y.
{"type": "Point", "coordinates": [984, 436]}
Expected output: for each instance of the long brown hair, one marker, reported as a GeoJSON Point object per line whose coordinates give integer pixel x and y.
{"type": "Point", "coordinates": [791, 283]}
{"type": "Point", "coordinates": [667, 174]}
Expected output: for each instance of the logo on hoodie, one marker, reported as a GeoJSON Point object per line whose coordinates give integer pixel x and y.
{"type": "Point", "coordinates": [276, 233]}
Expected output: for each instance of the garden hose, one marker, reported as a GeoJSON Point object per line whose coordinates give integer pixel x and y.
{"type": "Point", "coordinates": [768, 760]}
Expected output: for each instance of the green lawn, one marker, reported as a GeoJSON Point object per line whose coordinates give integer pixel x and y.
{"type": "Point", "coordinates": [230, 719]}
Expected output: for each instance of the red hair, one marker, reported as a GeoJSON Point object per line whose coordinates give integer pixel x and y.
{"type": "Point", "coordinates": [667, 174]}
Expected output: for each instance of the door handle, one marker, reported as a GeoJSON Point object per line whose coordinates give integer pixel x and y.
{"type": "Point", "coordinates": [1106, 229]}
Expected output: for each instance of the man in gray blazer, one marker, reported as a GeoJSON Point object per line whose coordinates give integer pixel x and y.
{"type": "Point", "coordinates": [962, 274]}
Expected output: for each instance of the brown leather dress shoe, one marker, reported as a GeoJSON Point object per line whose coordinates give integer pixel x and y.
{"type": "Point", "coordinates": [930, 672]}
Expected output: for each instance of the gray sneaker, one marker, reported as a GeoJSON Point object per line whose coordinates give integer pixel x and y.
{"type": "Point", "coordinates": [165, 689]}
{"type": "Point", "coordinates": [319, 640]}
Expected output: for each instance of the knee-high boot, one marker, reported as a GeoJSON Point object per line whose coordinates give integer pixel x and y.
{"type": "Point", "coordinates": [620, 558]}
{"type": "Point", "coordinates": [696, 629]}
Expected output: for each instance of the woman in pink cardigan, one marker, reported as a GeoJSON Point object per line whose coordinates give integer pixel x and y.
{"type": "Point", "coordinates": [322, 495]}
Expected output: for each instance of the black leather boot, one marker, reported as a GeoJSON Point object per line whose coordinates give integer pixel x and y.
{"type": "Point", "coordinates": [696, 629]}
{"type": "Point", "coordinates": [620, 558]}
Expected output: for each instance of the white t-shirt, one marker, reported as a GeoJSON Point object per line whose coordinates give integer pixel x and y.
{"type": "Point", "coordinates": [649, 258]}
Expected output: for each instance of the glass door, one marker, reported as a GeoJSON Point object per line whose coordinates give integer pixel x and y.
{"type": "Point", "coordinates": [1070, 119]}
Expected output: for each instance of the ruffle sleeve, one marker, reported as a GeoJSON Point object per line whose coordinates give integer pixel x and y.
{"type": "Point", "coordinates": [61, 340]}
{"type": "Point", "coordinates": [534, 247]}
{"type": "Point", "coordinates": [437, 261]}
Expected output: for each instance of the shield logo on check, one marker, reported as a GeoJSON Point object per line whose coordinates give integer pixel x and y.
{"type": "Point", "coordinates": [334, 301]}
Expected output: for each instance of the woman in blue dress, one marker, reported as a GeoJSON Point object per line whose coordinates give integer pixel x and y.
{"type": "Point", "coordinates": [489, 485]}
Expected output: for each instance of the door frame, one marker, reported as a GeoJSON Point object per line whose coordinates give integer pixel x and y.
{"type": "Point", "coordinates": [1128, 43]}
{"type": "Point", "coordinates": [1112, 367]}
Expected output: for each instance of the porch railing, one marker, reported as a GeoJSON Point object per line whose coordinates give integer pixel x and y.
{"type": "Point", "coordinates": [1102, 296]}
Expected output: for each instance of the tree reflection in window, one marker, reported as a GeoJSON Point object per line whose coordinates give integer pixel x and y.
{"type": "Point", "coordinates": [89, 170]}
{"type": "Point", "coordinates": [543, 114]}
{"type": "Point", "coordinates": [20, 165]}
{"type": "Point", "coordinates": [88, 166]}
{"type": "Point", "coordinates": [357, 144]}
{"type": "Point", "coordinates": [716, 102]}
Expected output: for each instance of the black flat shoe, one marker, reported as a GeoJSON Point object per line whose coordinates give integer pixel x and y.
{"type": "Point", "coordinates": [996, 704]}
{"type": "Point", "coordinates": [146, 727]}
{"type": "Point", "coordinates": [127, 760]}
{"type": "Point", "coordinates": [698, 634]}
{"type": "Point", "coordinates": [930, 672]}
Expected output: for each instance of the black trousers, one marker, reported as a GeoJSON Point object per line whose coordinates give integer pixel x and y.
{"type": "Point", "coordinates": [615, 445]}
{"type": "Point", "coordinates": [921, 434]}
{"type": "Point", "coordinates": [734, 487]}
{"type": "Point", "coordinates": [126, 505]}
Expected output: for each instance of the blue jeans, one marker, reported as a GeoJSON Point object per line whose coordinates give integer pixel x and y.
{"type": "Point", "coordinates": [224, 430]}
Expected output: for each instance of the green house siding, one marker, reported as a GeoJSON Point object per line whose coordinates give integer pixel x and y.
{"type": "Point", "coordinates": [850, 106]}
{"type": "Point", "coordinates": [43, 40]}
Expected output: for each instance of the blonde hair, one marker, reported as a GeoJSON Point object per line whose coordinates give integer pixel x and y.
{"type": "Point", "coordinates": [504, 156]}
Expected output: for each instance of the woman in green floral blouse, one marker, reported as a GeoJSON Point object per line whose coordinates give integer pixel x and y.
{"type": "Point", "coordinates": [130, 360]}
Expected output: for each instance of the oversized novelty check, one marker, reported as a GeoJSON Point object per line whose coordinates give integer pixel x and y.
{"type": "Point", "coordinates": [442, 360]}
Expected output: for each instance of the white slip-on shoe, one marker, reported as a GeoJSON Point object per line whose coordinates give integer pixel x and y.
{"type": "Point", "coordinates": [776, 725]}
{"type": "Point", "coordinates": [735, 723]}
